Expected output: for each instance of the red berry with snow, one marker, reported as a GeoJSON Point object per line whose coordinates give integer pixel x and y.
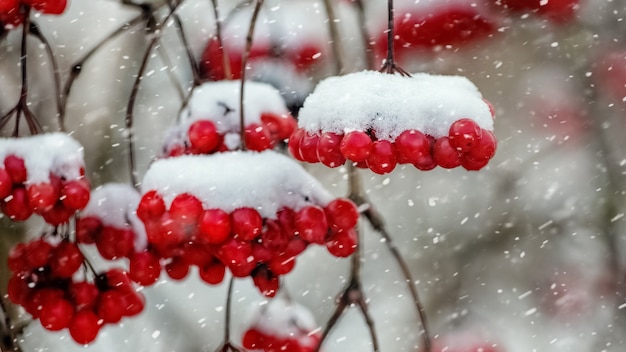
{"type": "Point", "coordinates": [308, 147]}
{"type": "Point", "coordinates": [342, 243]}
{"type": "Point", "coordinates": [6, 183]}
{"type": "Point", "coordinates": [151, 206]}
{"type": "Point", "coordinates": [16, 168]}
{"type": "Point", "coordinates": [356, 146]}
{"type": "Point", "coordinates": [329, 149]}
{"type": "Point", "coordinates": [246, 223]}
{"type": "Point", "coordinates": [66, 260]}
{"type": "Point", "coordinates": [463, 134]}
{"type": "Point", "coordinates": [258, 137]}
{"type": "Point", "coordinates": [16, 206]}
{"type": "Point", "coordinates": [445, 154]}
{"type": "Point", "coordinates": [203, 136]}
{"type": "Point", "coordinates": [311, 224]}
{"type": "Point", "coordinates": [382, 158]}
{"type": "Point", "coordinates": [342, 213]}
{"type": "Point", "coordinates": [412, 146]}
{"type": "Point", "coordinates": [144, 268]}
{"type": "Point", "coordinates": [84, 326]}
{"type": "Point", "coordinates": [75, 194]}
{"type": "Point", "coordinates": [56, 315]}
{"type": "Point", "coordinates": [42, 197]}
{"type": "Point", "coordinates": [214, 226]}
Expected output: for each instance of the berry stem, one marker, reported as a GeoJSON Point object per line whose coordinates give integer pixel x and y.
{"type": "Point", "coordinates": [158, 31]}
{"type": "Point", "coordinates": [228, 345]}
{"type": "Point", "coordinates": [244, 63]}
{"type": "Point", "coordinates": [34, 30]}
{"type": "Point", "coordinates": [8, 335]}
{"type": "Point", "coordinates": [334, 37]}
{"type": "Point", "coordinates": [390, 66]}
{"type": "Point", "coordinates": [183, 39]}
{"type": "Point", "coordinates": [218, 36]}
{"type": "Point", "coordinates": [170, 73]}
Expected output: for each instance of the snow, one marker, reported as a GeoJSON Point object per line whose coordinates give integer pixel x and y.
{"type": "Point", "coordinates": [281, 317]}
{"type": "Point", "coordinates": [432, 6]}
{"type": "Point", "coordinates": [115, 205]}
{"type": "Point", "coordinates": [266, 181]}
{"type": "Point", "coordinates": [391, 104]}
{"type": "Point", "coordinates": [51, 152]}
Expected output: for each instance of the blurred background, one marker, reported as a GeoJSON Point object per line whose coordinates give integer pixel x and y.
{"type": "Point", "coordinates": [527, 254]}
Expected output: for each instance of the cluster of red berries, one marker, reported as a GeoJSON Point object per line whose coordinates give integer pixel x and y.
{"type": "Point", "coordinates": [249, 245]}
{"type": "Point", "coordinates": [42, 282]}
{"type": "Point", "coordinates": [256, 339]}
{"type": "Point", "coordinates": [203, 137]}
{"type": "Point", "coordinates": [56, 201]}
{"type": "Point", "coordinates": [466, 145]}
{"type": "Point", "coordinates": [112, 242]}
{"type": "Point", "coordinates": [12, 11]}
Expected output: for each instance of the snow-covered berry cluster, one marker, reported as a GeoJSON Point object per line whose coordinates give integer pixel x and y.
{"type": "Point", "coordinates": [210, 122]}
{"type": "Point", "coordinates": [379, 121]}
{"type": "Point", "coordinates": [43, 282]}
{"type": "Point", "coordinates": [43, 175]}
{"type": "Point", "coordinates": [12, 11]}
{"type": "Point", "coordinates": [110, 221]}
{"type": "Point", "coordinates": [281, 325]}
{"type": "Point", "coordinates": [250, 212]}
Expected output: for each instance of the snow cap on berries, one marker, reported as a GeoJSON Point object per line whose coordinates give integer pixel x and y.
{"type": "Point", "coordinates": [281, 317]}
{"type": "Point", "coordinates": [45, 153]}
{"type": "Point", "coordinates": [390, 104]}
{"type": "Point", "coordinates": [266, 181]}
{"type": "Point", "coordinates": [115, 205]}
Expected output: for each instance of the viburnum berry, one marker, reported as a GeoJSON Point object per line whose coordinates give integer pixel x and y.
{"type": "Point", "coordinates": [144, 268]}
{"type": "Point", "coordinates": [280, 127]}
{"type": "Point", "coordinates": [42, 197]}
{"type": "Point", "coordinates": [17, 258]}
{"type": "Point", "coordinates": [8, 5]}
{"type": "Point", "coordinates": [252, 339]}
{"type": "Point", "coordinates": [17, 289]}
{"type": "Point", "coordinates": [56, 315]}
{"type": "Point", "coordinates": [177, 269]}
{"type": "Point", "coordinates": [485, 148]}
{"type": "Point", "coordinates": [445, 154]}
{"type": "Point", "coordinates": [38, 253]}
{"type": "Point", "coordinates": [84, 326]}
{"type": "Point", "coordinates": [342, 213]}
{"type": "Point", "coordinates": [472, 164]}
{"type": "Point", "coordinates": [273, 237]}
{"type": "Point", "coordinates": [6, 184]}
{"type": "Point", "coordinates": [246, 223]}
{"type": "Point", "coordinates": [58, 215]}
{"type": "Point", "coordinates": [16, 206]}
{"type": "Point", "coordinates": [265, 281]}
{"type": "Point", "coordinates": [203, 136]}
{"type": "Point", "coordinates": [66, 259]}
{"type": "Point", "coordinates": [463, 134]}
{"type": "Point", "coordinates": [186, 209]}
{"type": "Point", "coordinates": [16, 168]}
{"type": "Point", "coordinates": [84, 294]}
{"type": "Point", "coordinates": [294, 144]}
{"type": "Point", "coordinates": [235, 252]}
{"type": "Point", "coordinates": [258, 138]}
{"type": "Point", "coordinates": [311, 224]}
{"type": "Point", "coordinates": [151, 206]}
{"type": "Point", "coordinates": [426, 162]}
{"type": "Point", "coordinates": [75, 194]}
{"type": "Point", "coordinates": [87, 229]}
{"type": "Point", "coordinates": [329, 151]}
{"type": "Point", "coordinates": [282, 264]}
{"type": "Point", "coordinates": [411, 147]}
{"type": "Point", "coordinates": [356, 146]}
{"type": "Point", "coordinates": [342, 243]}
{"type": "Point", "coordinates": [134, 303]}
{"type": "Point", "coordinates": [214, 226]}
{"type": "Point", "coordinates": [382, 158]}
{"type": "Point", "coordinates": [308, 147]}
{"type": "Point", "coordinates": [51, 7]}
{"type": "Point", "coordinates": [110, 307]}
{"type": "Point", "coordinates": [213, 273]}
{"type": "Point", "coordinates": [113, 243]}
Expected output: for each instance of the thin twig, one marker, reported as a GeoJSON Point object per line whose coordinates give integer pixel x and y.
{"type": "Point", "coordinates": [334, 38]}
{"type": "Point", "coordinates": [190, 57]}
{"type": "Point", "coordinates": [10, 340]}
{"type": "Point", "coordinates": [220, 43]}
{"type": "Point", "coordinates": [34, 30]}
{"type": "Point", "coordinates": [365, 37]}
{"type": "Point", "coordinates": [227, 344]}
{"type": "Point", "coordinates": [129, 119]}
{"type": "Point", "coordinates": [390, 66]}
{"type": "Point", "coordinates": [244, 63]}
{"type": "Point", "coordinates": [170, 73]}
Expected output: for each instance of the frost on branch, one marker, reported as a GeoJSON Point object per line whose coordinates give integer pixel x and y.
{"type": "Point", "coordinates": [251, 212]}
{"type": "Point", "coordinates": [210, 122]}
{"type": "Point", "coordinates": [424, 120]}
{"type": "Point", "coordinates": [281, 324]}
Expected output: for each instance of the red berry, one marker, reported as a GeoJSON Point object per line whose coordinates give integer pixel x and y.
{"type": "Point", "coordinates": [75, 194]}
{"type": "Point", "coordinates": [445, 154]}
{"type": "Point", "coordinates": [382, 159]}
{"type": "Point", "coordinates": [114, 243]}
{"type": "Point", "coordinates": [213, 273]}
{"type": "Point", "coordinates": [110, 307]}
{"type": "Point", "coordinates": [144, 268]}
{"type": "Point", "coordinates": [342, 213]}
{"type": "Point", "coordinates": [411, 147]}
{"type": "Point", "coordinates": [38, 253]}
{"type": "Point", "coordinates": [16, 168]}
{"type": "Point", "coordinates": [18, 290]}
{"type": "Point", "coordinates": [134, 303]}
{"type": "Point", "coordinates": [58, 215]}
{"type": "Point", "coordinates": [295, 246]}
{"type": "Point", "coordinates": [16, 206]}
{"type": "Point", "coordinates": [6, 184]}
{"type": "Point", "coordinates": [342, 243]}
{"type": "Point", "coordinates": [185, 212]}
{"type": "Point", "coordinates": [151, 206]}
{"type": "Point", "coordinates": [235, 253]}
{"type": "Point", "coordinates": [118, 279]}
{"type": "Point", "coordinates": [203, 136]}
{"type": "Point", "coordinates": [9, 5]}
{"type": "Point", "coordinates": [266, 282]}
{"type": "Point", "coordinates": [177, 269]}
{"type": "Point", "coordinates": [84, 327]}
{"type": "Point", "coordinates": [463, 134]}
{"type": "Point", "coordinates": [214, 226]}
{"type": "Point", "coordinates": [356, 146]}
{"type": "Point", "coordinates": [17, 258]}
{"type": "Point", "coordinates": [51, 7]}
{"type": "Point", "coordinates": [286, 219]}
{"type": "Point", "coordinates": [329, 151]}
{"type": "Point", "coordinates": [485, 148]}
{"type": "Point", "coordinates": [280, 127]}
{"type": "Point", "coordinates": [258, 138]}
{"type": "Point", "coordinates": [311, 224]}
{"type": "Point", "coordinates": [246, 223]}
{"type": "Point", "coordinates": [251, 339]}
{"type": "Point", "coordinates": [84, 294]}
{"type": "Point", "coordinates": [294, 144]}
{"type": "Point", "coordinates": [426, 161]}
{"type": "Point", "coordinates": [282, 264]}
{"type": "Point", "coordinates": [272, 236]}
{"type": "Point", "coordinates": [87, 229]}
{"type": "Point", "coordinates": [56, 315]}
{"type": "Point", "coordinates": [41, 298]}
{"type": "Point", "coordinates": [42, 197]}
{"type": "Point", "coordinates": [66, 260]}
{"type": "Point", "coordinates": [473, 164]}
{"type": "Point", "coordinates": [308, 147]}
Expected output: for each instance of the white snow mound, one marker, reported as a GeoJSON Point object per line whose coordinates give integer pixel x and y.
{"type": "Point", "coordinates": [282, 318]}
{"type": "Point", "coordinates": [50, 152]}
{"type": "Point", "coordinates": [266, 181]}
{"type": "Point", "coordinates": [391, 104]}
